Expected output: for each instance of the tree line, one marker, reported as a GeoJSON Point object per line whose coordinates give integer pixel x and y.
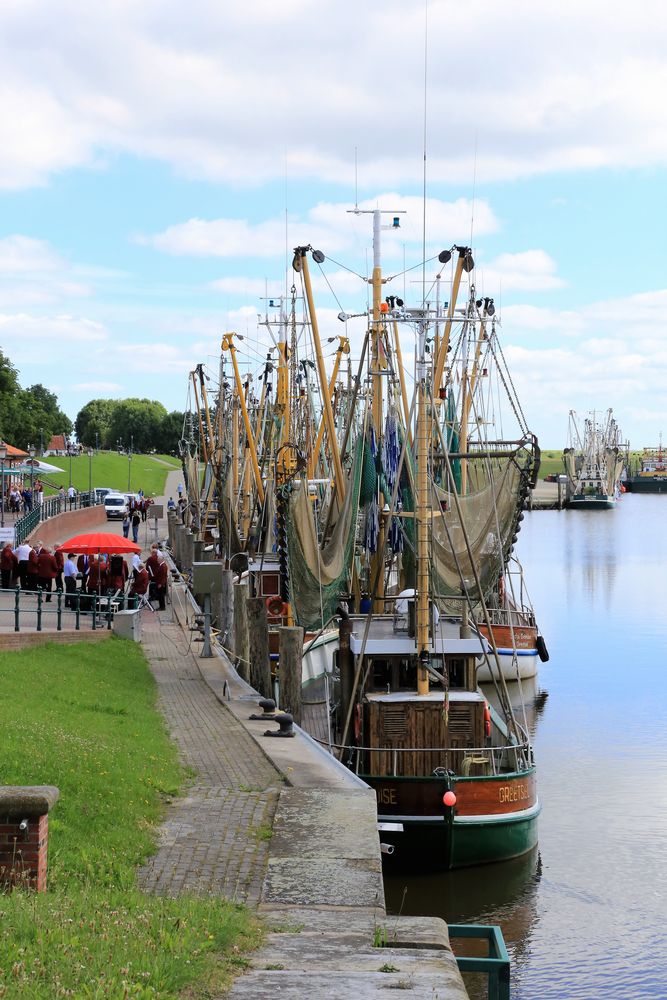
{"type": "Point", "coordinates": [32, 416]}
{"type": "Point", "coordinates": [28, 416]}
{"type": "Point", "coordinates": [136, 424]}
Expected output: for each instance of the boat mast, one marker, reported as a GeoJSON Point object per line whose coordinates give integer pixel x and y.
{"type": "Point", "coordinates": [422, 515]}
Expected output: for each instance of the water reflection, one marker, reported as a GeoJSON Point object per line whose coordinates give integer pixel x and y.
{"type": "Point", "coordinates": [585, 918]}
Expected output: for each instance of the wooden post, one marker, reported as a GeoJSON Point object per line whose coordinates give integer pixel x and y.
{"type": "Point", "coordinates": [258, 644]}
{"type": "Point", "coordinates": [290, 654]}
{"type": "Point", "coordinates": [241, 650]}
{"type": "Point", "coordinates": [223, 604]}
{"type": "Point", "coordinates": [346, 666]}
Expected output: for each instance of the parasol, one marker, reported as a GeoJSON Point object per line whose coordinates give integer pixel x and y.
{"type": "Point", "coordinates": [99, 541]}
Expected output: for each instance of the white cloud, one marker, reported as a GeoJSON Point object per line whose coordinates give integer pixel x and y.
{"type": "Point", "coordinates": [531, 270]}
{"type": "Point", "coordinates": [256, 91]}
{"type": "Point", "coordinates": [329, 227]}
{"type": "Point", "coordinates": [101, 387]}
{"type": "Point", "coordinates": [32, 273]}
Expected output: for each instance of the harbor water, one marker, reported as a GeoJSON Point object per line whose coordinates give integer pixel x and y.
{"type": "Point", "coordinates": [585, 915]}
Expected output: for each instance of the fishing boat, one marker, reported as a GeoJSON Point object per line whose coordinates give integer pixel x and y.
{"type": "Point", "coordinates": [452, 775]}
{"type": "Point", "coordinates": [648, 472]}
{"type": "Point", "coordinates": [594, 460]}
{"type": "Point", "coordinates": [395, 523]}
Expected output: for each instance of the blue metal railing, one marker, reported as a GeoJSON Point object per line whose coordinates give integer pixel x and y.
{"type": "Point", "coordinates": [496, 964]}
{"type": "Point", "coordinates": [49, 508]}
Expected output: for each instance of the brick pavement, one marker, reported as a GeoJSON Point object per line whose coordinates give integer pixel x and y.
{"type": "Point", "coordinates": [216, 836]}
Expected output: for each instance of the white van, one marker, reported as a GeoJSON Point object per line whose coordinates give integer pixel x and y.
{"type": "Point", "coordinates": [115, 505]}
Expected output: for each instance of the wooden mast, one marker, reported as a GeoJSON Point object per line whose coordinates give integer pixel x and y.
{"type": "Point", "coordinates": [422, 516]}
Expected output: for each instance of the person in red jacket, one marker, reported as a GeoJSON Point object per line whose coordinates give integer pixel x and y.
{"type": "Point", "coordinates": [33, 572]}
{"type": "Point", "coordinates": [60, 560]}
{"type": "Point", "coordinates": [9, 567]}
{"type": "Point", "coordinates": [158, 572]}
{"type": "Point", "coordinates": [47, 570]}
{"type": "Point", "coordinates": [140, 582]}
{"type": "Point", "coordinates": [117, 574]}
{"type": "Point", "coordinates": [95, 582]}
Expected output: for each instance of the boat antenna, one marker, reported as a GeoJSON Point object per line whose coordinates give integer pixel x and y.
{"type": "Point", "coordinates": [424, 166]}
{"type": "Point", "coordinates": [474, 190]}
{"type": "Point", "coordinates": [356, 186]}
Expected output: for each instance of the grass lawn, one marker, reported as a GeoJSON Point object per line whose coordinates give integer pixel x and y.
{"type": "Point", "coordinates": [108, 468]}
{"type": "Point", "coordinates": [552, 462]}
{"type": "Point", "coordinates": [83, 718]}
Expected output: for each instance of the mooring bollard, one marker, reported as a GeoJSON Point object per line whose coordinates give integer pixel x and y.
{"type": "Point", "coordinates": [285, 722]}
{"type": "Point", "coordinates": [24, 834]}
{"type": "Point", "coordinates": [268, 707]}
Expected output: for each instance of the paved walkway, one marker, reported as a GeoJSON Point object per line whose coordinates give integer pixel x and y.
{"type": "Point", "coordinates": [216, 837]}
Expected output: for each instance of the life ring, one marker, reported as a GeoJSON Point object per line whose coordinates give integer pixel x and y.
{"type": "Point", "coordinates": [542, 650]}
{"type": "Point", "coordinates": [356, 722]}
{"type": "Point", "coordinates": [276, 607]}
{"type": "Point", "coordinates": [487, 720]}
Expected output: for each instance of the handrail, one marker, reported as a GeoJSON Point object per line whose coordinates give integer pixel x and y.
{"type": "Point", "coordinates": [100, 607]}
{"type": "Point", "coordinates": [496, 965]}
{"type": "Point", "coordinates": [50, 507]}
{"type": "Point", "coordinates": [441, 749]}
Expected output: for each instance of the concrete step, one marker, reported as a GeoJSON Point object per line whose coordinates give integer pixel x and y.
{"type": "Point", "coordinates": [315, 985]}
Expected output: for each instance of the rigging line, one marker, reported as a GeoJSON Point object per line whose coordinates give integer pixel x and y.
{"type": "Point", "coordinates": [474, 189]}
{"type": "Point", "coordinates": [504, 698]}
{"type": "Point", "coordinates": [330, 288]}
{"type": "Point", "coordinates": [346, 268]}
{"type": "Point", "coordinates": [422, 263]}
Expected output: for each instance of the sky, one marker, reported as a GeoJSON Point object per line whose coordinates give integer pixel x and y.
{"type": "Point", "coordinates": [160, 160]}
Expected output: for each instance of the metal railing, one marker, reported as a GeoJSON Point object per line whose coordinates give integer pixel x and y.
{"type": "Point", "coordinates": [89, 611]}
{"type": "Point", "coordinates": [496, 964]}
{"type": "Point", "coordinates": [50, 507]}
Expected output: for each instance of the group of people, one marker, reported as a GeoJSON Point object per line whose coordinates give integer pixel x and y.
{"type": "Point", "coordinates": [21, 501]}
{"type": "Point", "coordinates": [38, 567]}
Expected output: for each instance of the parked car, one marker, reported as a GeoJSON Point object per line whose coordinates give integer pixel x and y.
{"type": "Point", "coordinates": [100, 492]}
{"type": "Point", "coordinates": [115, 505]}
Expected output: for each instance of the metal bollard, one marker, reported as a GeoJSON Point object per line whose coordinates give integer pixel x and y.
{"type": "Point", "coordinates": [285, 721]}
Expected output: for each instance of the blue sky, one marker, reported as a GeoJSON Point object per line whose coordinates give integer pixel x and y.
{"type": "Point", "coordinates": [153, 154]}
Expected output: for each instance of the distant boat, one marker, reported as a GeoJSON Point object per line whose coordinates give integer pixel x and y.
{"type": "Point", "coordinates": [648, 474]}
{"type": "Point", "coordinates": [594, 460]}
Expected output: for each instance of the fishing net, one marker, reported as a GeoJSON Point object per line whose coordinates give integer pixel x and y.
{"type": "Point", "coordinates": [319, 575]}
{"type": "Point", "coordinates": [488, 516]}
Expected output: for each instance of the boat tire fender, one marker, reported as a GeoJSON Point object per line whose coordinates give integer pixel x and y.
{"type": "Point", "coordinates": [542, 650]}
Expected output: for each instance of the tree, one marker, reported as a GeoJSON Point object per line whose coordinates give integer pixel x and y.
{"type": "Point", "coordinates": [171, 431]}
{"type": "Point", "coordinates": [136, 423]}
{"type": "Point", "coordinates": [93, 423]}
{"type": "Point", "coordinates": [25, 413]}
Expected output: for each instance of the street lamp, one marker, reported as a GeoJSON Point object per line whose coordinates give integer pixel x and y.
{"type": "Point", "coordinates": [90, 476]}
{"type": "Point", "coordinates": [69, 448]}
{"type": "Point", "coordinates": [3, 456]}
{"type": "Point", "coordinates": [129, 469]}
{"type": "Point", "coordinates": [31, 452]}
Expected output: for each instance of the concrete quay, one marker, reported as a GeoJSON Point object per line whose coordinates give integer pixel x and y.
{"type": "Point", "coordinates": [276, 824]}
{"type": "Point", "coordinates": [321, 895]}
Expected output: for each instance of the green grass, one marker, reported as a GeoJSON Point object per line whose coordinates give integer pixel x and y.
{"type": "Point", "coordinates": [83, 718]}
{"type": "Point", "coordinates": [551, 463]}
{"type": "Point", "coordinates": [146, 472]}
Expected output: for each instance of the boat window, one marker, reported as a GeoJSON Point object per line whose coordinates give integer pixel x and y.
{"type": "Point", "coordinates": [456, 668]}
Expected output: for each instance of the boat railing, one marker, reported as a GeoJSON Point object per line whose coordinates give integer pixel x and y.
{"type": "Point", "coordinates": [487, 759]}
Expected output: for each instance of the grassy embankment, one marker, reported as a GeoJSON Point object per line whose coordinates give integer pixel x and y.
{"type": "Point", "coordinates": [551, 463]}
{"type": "Point", "coordinates": [83, 718]}
{"type": "Point", "coordinates": [108, 468]}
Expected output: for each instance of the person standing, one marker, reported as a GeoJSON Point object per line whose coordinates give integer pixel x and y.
{"type": "Point", "coordinates": [158, 572]}
{"type": "Point", "coordinates": [136, 521]}
{"type": "Point", "coordinates": [179, 490]}
{"type": "Point", "coordinates": [47, 570]}
{"type": "Point", "coordinates": [71, 493]}
{"type": "Point", "coordinates": [140, 582]}
{"type": "Point", "coordinates": [126, 524]}
{"type": "Point", "coordinates": [9, 566]}
{"type": "Point", "coordinates": [60, 561]}
{"type": "Point", "coordinates": [82, 565]}
{"type": "Point", "coordinates": [70, 572]}
{"type": "Point", "coordinates": [33, 567]}
{"type": "Point", "coordinates": [22, 553]}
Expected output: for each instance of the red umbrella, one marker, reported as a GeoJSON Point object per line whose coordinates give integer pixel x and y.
{"type": "Point", "coordinates": [99, 541]}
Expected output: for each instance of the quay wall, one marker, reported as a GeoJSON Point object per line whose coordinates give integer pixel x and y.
{"type": "Point", "coordinates": [70, 522]}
